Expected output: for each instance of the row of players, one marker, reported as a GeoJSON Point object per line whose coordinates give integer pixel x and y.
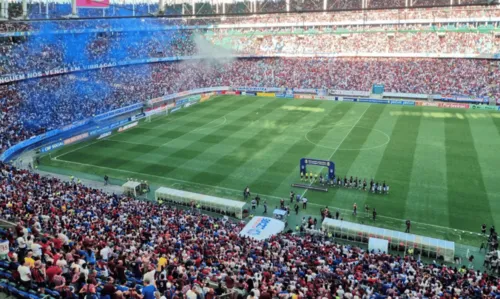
{"type": "Point", "coordinates": [355, 183]}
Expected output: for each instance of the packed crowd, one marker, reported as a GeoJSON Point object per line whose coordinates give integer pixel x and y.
{"type": "Point", "coordinates": [55, 51]}
{"type": "Point", "coordinates": [49, 52]}
{"type": "Point", "coordinates": [461, 12]}
{"type": "Point", "coordinates": [41, 104]}
{"type": "Point", "coordinates": [322, 42]}
{"type": "Point", "coordinates": [72, 240]}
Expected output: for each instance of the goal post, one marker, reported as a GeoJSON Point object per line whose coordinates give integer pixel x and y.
{"type": "Point", "coordinates": [156, 112]}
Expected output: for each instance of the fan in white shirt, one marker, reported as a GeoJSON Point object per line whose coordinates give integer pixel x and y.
{"type": "Point", "coordinates": [105, 252]}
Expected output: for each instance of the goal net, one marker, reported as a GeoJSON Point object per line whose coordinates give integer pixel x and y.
{"type": "Point", "coordinates": [155, 113]}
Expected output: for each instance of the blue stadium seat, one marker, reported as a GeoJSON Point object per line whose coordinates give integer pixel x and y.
{"type": "Point", "coordinates": [12, 290]}
{"type": "Point", "coordinates": [3, 284]}
{"type": "Point", "coordinates": [53, 293]}
{"type": "Point", "coordinates": [33, 296]}
{"type": "Point", "coordinates": [24, 295]}
{"type": "Point", "coordinates": [4, 265]}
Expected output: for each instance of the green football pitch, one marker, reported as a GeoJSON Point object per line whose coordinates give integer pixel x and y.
{"type": "Point", "coordinates": [442, 165]}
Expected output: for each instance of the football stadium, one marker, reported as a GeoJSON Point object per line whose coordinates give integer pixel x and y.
{"type": "Point", "coordinates": [249, 149]}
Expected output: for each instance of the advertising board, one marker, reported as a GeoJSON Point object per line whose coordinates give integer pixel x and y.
{"type": "Point", "coordinates": [129, 126]}
{"type": "Point", "coordinates": [266, 94]}
{"type": "Point", "coordinates": [402, 102]}
{"type": "Point", "coordinates": [76, 138]}
{"type": "Point", "coordinates": [373, 101]}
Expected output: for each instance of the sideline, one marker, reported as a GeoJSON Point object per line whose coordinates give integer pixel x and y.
{"type": "Point", "coordinates": [276, 198]}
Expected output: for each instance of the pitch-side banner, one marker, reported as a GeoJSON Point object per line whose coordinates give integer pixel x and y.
{"type": "Point", "coordinates": [262, 228]}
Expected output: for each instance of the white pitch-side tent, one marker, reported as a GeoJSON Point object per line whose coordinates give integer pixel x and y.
{"type": "Point", "coordinates": [361, 233]}
{"type": "Point", "coordinates": [131, 188]}
{"type": "Point", "coordinates": [211, 203]}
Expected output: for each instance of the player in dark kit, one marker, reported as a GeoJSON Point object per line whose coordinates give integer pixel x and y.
{"type": "Point", "coordinates": [364, 185]}
{"type": "Point", "coordinates": [483, 229]}
{"type": "Point", "coordinates": [292, 196]}
{"type": "Point", "coordinates": [355, 209]}
{"type": "Point", "coordinates": [408, 226]}
{"type": "Point", "coordinates": [374, 214]}
{"type": "Point", "coordinates": [246, 193]}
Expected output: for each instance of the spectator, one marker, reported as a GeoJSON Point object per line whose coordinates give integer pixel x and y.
{"type": "Point", "coordinates": [148, 292]}
{"type": "Point", "coordinates": [108, 289]}
{"type": "Point", "coordinates": [52, 271]}
{"type": "Point", "coordinates": [25, 274]}
{"type": "Point", "coordinates": [88, 291]}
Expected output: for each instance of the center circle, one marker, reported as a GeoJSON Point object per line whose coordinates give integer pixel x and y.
{"type": "Point", "coordinates": [336, 134]}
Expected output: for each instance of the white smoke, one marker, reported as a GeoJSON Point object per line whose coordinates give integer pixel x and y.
{"type": "Point", "coordinates": [211, 53]}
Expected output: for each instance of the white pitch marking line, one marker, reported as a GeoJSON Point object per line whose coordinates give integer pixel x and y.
{"type": "Point", "coordinates": [340, 144]}
{"type": "Point", "coordinates": [203, 127]}
{"type": "Point", "coordinates": [239, 191]}
{"type": "Point", "coordinates": [195, 129]}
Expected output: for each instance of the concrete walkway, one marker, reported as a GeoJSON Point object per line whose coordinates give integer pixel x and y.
{"type": "Point", "coordinates": [90, 183]}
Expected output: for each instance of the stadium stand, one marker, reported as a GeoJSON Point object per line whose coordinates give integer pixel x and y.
{"type": "Point", "coordinates": [431, 14]}
{"type": "Point", "coordinates": [111, 88]}
{"type": "Point", "coordinates": [43, 10]}
{"type": "Point", "coordinates": [47, 52]}
{"type": "Point", "coordinates": [70, 237]}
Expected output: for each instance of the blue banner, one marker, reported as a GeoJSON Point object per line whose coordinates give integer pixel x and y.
{"type": "Point", "coordinates": [349, 100]}
{"type": "Point", "coordinates": [258, 89]}
{"type": "Point", "coordinates": [464, 99]}
{"type": "Point", "coordinates": [100, 130]}
{"type": "Point", "coordinates": [373, 101]}
{"type": "Point", "coordinates": [96, 131]}
{"type": "Point", "coordinates": [283, 95]}
{"type": "Point", "coordinates": [51, 147]}
{"type": "Point", "coordinates": [180, 103]}
{"type": "Point", "coordinates": [402, 102]}
{"type": "Point", "coordinates": [175, 109]}
{"type": "Point", "coordinates": [118, 111]}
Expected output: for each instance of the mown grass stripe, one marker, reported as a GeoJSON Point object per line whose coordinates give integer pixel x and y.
{"type": "Point", "coordinates": [228, 130]}
{"type": "Point", "coordinates": [323, 131]}
{"type": "Point", "coordinates": [272, 145]}
{"type": "Point", "coordinates": [395, 167]}
{"type": "Point", "coordinates": [466, 190]}
{"type": "Point", "coordinates": [487, 142]}
{"type": "Point", "coordinates": [142, 150]}
{"type": "Point", "coordinates": [428, 194]}
{"type": "Point", "coordinates": [259, 140]}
